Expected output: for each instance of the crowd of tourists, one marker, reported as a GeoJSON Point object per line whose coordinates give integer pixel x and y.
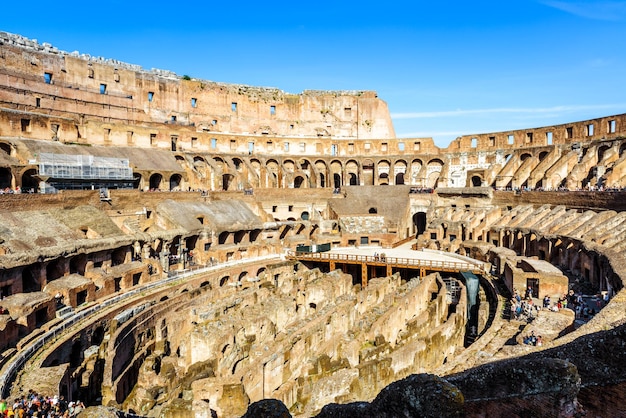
{"type": "Point", "coordinates": [526, 308]}
{"type": "Point", "coordinates": [17, 190]}
{"type": "Point", "coordinates": [36, 405]}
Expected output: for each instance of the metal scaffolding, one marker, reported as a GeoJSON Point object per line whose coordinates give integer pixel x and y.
{"type": "Point", "coordinates": [84, 167]}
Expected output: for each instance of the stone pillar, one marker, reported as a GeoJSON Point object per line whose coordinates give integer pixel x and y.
{"type": "Point", "coordinates": [364, 274]}
{"type": "Point", "coordinates": [164, 257]}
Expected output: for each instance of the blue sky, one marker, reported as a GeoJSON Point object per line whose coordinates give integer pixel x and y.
{"type": "Point", "coordinates": [445, 68]}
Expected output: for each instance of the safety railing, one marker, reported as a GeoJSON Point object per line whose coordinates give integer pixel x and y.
{"type": "Point", "coordinates": [383, 259]}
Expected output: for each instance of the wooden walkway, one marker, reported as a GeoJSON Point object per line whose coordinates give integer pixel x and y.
{"type": "Point", "coordinates": [367, 261]}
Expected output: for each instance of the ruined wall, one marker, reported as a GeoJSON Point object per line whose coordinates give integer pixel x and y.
{"type": "Point", "coordinates": [564, 134]}
{"type": "Point", "coordinates": [108, 93]}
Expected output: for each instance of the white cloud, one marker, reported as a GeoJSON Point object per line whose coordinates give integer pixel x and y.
{"type": "Point", "coordinates": [596, 10]}
{"type": "Point", "coordinates": [510, 110]}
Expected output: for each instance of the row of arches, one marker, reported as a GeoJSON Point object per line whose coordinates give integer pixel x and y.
{"type": "Point", "coordinates": [235, 173]}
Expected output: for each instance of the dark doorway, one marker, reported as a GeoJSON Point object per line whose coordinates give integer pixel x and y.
{"type": "Point", "coordinates": [533, 284]}
{"type": "Point", "coordinates": [419, 220]}
{"type": "Point", "coordinates": [175, 181]}
{"type": "Point", "coordinates": [81, 297]}
{"type": "Point", "coordinates": [155, 181]}
{"type": "Point", "coordinates": [5, 178]}
{"type": "Point", "coordinates": [29, 183]}
{"type": "Point", "coordinates": [337, 180]}
{"type": "Point", "coordinates": [29, 284]}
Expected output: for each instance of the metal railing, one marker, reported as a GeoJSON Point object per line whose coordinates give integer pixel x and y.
{"type": "Point", "coordinates": [396, 261]}
{"type": "Point", "coordinates": [15, 364]}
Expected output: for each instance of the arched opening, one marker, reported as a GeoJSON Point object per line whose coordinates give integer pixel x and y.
{"type": "Point", "coordinates": [224, 280]}
{"type": "Point", "coordinates": [285, 231]}
{"type": "Point", "coordinates": [304, 216]}
{"type": "Point", "coordinates": [5, 178]}
{"type": "Point", "coordinates": [238, 164]}
{"type": "Point", "coordinates": [155, 181]}
{"type": "Point", "coordinates": [434, 169]}
{"type": "Point", "coordinates": [543, 155]}
{"type": "Point", "coordinates": [384, 168]}
{"type": "Point", "coordinates": [399, 178]}
{"type": "Point", "coordinates": [273, 174]}
{"type": "Point", "coordinates": [238, 236]}
{"type": "Point", "coordinates": [601, 151]}
{"type": "Point", "coordinates": [419, 220]}
{"type": "Point", "coordinates": [29, 182]}
{"type": "Point", "coordinates": [477, 181]}
{"type": "Point", "coordinates": [221, 239]}
{"type": "Point", "coordinates": [254, 235]}
{"type": "Point", "coordinates": [336, 180]}
{"type": "Point", "coordinates": [175, 181]}
{"type": "Point", "coordinates": [297, 182]}
{"type": "Point", "coordinates": [373, 210]}
{"type": "Point", "coordinates": [6, 148]}
{"type": "Point", "coordinates": [228, 181]}
{"type": "Point", "coordinates": [180, 160]}
{"type": "Point", "coordinates": [352, 173]}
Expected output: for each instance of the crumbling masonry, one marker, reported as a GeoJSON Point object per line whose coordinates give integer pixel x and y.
{"type": "Point", "coordinates": [145, 218]}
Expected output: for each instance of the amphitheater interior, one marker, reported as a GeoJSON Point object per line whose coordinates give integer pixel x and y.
{"type": "Point", "coordinates": [177, 247]}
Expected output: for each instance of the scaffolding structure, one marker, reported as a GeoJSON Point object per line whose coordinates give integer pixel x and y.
{"type": "Point", "coordinates": [83, 167]}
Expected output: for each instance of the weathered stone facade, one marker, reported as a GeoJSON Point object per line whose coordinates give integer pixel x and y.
{"type": "Point", "coordinates": [181, 175]}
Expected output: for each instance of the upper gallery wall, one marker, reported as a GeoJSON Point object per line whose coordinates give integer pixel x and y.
{"type": "Point", "coordinates": [65, 84]}
{"type": "Point", "coordinates": [72, 98]}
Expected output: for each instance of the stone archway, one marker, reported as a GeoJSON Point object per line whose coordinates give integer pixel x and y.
{"type": "Point", "coordinates": [298, 181]}
{"type": "Point", "coordinates": [399, 178]}
{"type": "Point", "coordinates": [6, 178]}
{"type": "Point", "coordinates": [419, 221]}
{"type": "Point", "coordinates": [175, 182]}
{"type": "Point", "coordinates": [228, 182]}
{"type": "Point", "coordinates": [29, 182]}
{"type": "Point", "coordinates": [155, 181]}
